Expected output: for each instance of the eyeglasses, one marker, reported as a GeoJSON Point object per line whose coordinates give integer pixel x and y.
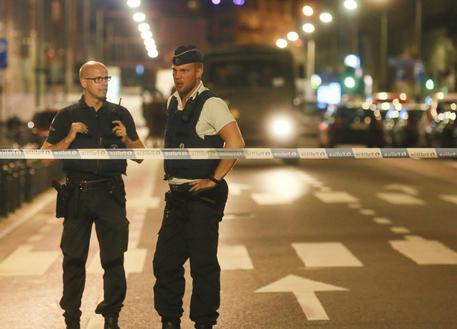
{"type": "Point", "coordinates": [99, 79]}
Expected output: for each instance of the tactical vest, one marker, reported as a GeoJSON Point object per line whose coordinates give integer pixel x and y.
{"type": "Point", "coordinates": [181, 133]}
{"type": "Point", "coordinates": [100, 136]}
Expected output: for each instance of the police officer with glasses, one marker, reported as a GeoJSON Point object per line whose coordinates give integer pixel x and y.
{"type": "Point", "coordinates": [195, 202]}
{"type": "Point", "coordinates": [93, 193]}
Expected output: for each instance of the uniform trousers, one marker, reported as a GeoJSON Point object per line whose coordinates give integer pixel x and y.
{"type": "Point", "coordinates": [190, 230]}
{"type": "Point", "coordinates": [107, 210]}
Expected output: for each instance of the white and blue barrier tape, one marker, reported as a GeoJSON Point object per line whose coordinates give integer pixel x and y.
{"type": "Point", "coordinates": [247, 153]}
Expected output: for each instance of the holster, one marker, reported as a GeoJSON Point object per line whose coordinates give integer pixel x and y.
{"type": "Point", "coordinates": [63, 198]}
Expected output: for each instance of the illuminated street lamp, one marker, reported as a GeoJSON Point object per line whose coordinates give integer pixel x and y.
{"type": "Point", "coordinates": [308, 11]}
{"type": "Point", "coordinates": [146, 34]}
{"type": "Point", "coordinates": [292, 36]}
{"type": "Point", "coordinates": [308, 28]}
{"type": "Point", "coordinates": [139, 17]}
{"type": "Point", "coordinates": [281, 43]}
{"type": "Point", "coordinates": [326, 17]}
{"type": "Point", "coordinates": [133, 3]}
{"type": "Point", "coordinates": [350, 4]}
{"type": "Point", "coordinates": [144, 27]}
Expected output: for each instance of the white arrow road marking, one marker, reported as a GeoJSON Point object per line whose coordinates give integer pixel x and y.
{"type": "Point", "coordinates": [425, 252]}
{"type": "Point", "coordinates": [403, 188]}
{"type": "Point", "coordinates": [234, 258]}
{"type": "Point", "coordinates": [400, 198]}
{"type": "Point", "coordinates": [336, 197]}
{"type": "Point", "coordinates": [325, 254]}
{"type": "Point", "coordinates": [449, 197]}
{"type": "Point", "coordinates": [24, 261]}
{"type": "Point", "coordinates": [304, 290]}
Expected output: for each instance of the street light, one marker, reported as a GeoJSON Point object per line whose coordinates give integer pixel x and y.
{"type": "Point", "coordinates": [308, 11]}
{"type": "Point", "coordinates": [292, 36]}
{"type": "Point", "coordinates": [350, 4]}
{"type": "Point", "coordinates": [326, 17]}
{"type": "Point", "coordinates": [133, 3]}
{"type": "Point", "coordinates": [308, 28]}
{"type": "Point", "coordinates": [139, 17]}
{"type": "Point", "coordinates": [281, 43]}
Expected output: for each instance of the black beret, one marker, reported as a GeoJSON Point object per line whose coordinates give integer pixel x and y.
{"type": "Point", "coordinates": [186, 55]}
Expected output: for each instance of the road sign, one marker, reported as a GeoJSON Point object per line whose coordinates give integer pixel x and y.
{"type": "Point", "coordinates": [3, 53]}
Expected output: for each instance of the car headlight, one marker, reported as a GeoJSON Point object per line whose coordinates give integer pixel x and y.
{"type": "Point", "coordinates": [282, 127]}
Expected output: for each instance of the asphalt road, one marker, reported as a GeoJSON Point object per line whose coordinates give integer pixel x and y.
{"type": "Point", "coordinates": [340, 244]}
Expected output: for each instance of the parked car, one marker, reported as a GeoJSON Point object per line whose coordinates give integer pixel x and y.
{"type": "Point", "coordinates": [351, 124]}
{"type": "Point", "coordinates": [39, 125]}
{"type": "Point", "coordinates": [443, 120]}
{"type": "Point", "coordinates": [406, 126]}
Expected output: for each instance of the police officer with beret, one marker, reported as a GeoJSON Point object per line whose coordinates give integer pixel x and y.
{"type": "Point", "coordinates": [93, 193]}
{"type": "Point", "coordinates": [197, 196]}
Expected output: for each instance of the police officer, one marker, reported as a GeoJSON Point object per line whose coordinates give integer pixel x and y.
{"type": "Point", "coordinates": [197, 196]}
{"type": "Point", "coordinates": [96, 193]}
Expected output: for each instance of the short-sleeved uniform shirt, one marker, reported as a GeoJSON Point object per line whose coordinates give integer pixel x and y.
{"type": "Point", "coordinates": [215, 115]}
{"type": "Point", "coordinates": [100, 135]}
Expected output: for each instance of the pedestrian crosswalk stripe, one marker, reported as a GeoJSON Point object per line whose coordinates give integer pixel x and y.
{"type": "Point", "coordinates": [382, 221]}
{"type": "Point", "coordinates": [326, 254]}
{"type": "Point", "coordinates": [400, 230]}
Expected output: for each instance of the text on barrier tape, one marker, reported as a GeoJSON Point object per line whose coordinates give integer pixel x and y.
{"type": "Point", "coordinates": [247, 153]}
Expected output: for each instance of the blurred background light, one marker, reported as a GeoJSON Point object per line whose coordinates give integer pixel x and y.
{"type": "Point", "coordinates": [133, 3]}
{"type": "Point", "coordinates": [281, 43]}
{"type": "Point", "coordinates": [292, 36]}
{"type": "Point", "coordinates": [308, 11]}
{"type": "Point", "coordinates": [308, 28]}
{"type": "Point", "coordinates": [326, 17]}
{"type": "Point", "coordinates": [139, 17]}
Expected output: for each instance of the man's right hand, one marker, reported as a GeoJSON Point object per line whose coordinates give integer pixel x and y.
{"type": "Point", "coordinates": [77, 127]}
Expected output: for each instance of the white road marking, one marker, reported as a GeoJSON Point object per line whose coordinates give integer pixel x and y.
{"type": "Point", "coordinates": [304, 290]}
{"type": "Point", "coordinates": [382, 221]}
{"type": "Point", "coordinates": [403, 188]}
{"type": "Point", "coordinates": [355, 205]}
{"type": "Point", "coordinates": [271, 199]}
{"type": "Point", "coordinates": [336, 197]}
{"type": "Point", "coordinates": [24, 261]}
{"type": "Point", "coordinates": [400, 198]}
{"type": "Point", "coordinates": [367, 212]}
{"type": "Point", "coordinates": [237, 189]}
{"type": "Point", "coordinates": [234, 258]}
{"type": "Point", "coordinates": [144, 202]}
{"type": "Point", "coordinates": [325, 254]}
{"type": "Point", "coordinates": [400, 230]}
{"type": "Point", "coordinates": [35, 238]}
{"type": "Point", "coordinates": [449, 197]}
{"type": "Point", "coordinates": [425, 252]}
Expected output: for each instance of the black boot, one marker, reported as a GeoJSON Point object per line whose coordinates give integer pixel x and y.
{"type": "Point", "coordinates": [111, 322]}
{"type": "Point", "coordinates": [72, 324]}
{"type": "Point", "coordinates": [171, 325]}
{"type": "Point", "coordinates": [203, 326]}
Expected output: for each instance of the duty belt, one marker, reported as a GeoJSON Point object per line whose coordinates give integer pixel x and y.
{"type": "Point", "coordinates": [90, 185]}
{"type": "Point", "coordinates": [180, 188]}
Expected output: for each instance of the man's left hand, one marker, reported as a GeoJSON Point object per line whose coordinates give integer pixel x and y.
{"type": "Point", "coordinates": [201, 184]}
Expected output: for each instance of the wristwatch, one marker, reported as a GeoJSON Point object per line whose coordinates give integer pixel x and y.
{"type": "Point", "coordinates": [217, 181]}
